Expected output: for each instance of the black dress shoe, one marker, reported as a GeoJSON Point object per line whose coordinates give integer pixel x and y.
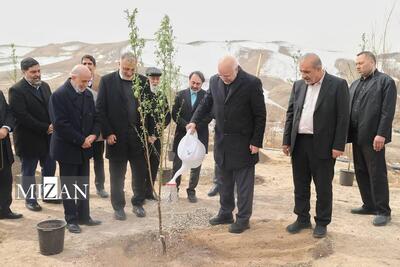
{"type": "Point", "coordinates": [297, 226]}
{"type": "Point", "coordinates": [237, 228]}
{"type": "Point", "coordinates": [213, 191]}
{"type": "Point", "coordinates": [73, 228]}
{"type": "Point", "coordinates": [11, 215]}
{"type": "Point", "coordinates": [139, 211]}
{"type": "Point", "coordinates": [53, 201]}
{"type": "Point", "coordinates": [319, 231]}
{"type": "Point", "coordinates": [363, 211]}
{"type": "Point", "coordinates": [91, 222]}
{"type": "Point", "coordinates": [120, 215]}
{"type": "Point", "coordinates": [33, 206]}
{"type": "Point", "coordinates": [220, 220]}
{"type": "Point", "coordinates": [381, 220]}
{"type": "Point", "coordinates": [191, 195]}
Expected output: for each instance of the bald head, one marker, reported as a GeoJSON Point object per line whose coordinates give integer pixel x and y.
{"type": "Point", "coordinates": [311, 68]}
{"type": "Point", "coordinates": [80, 77]}
{"type": "Point", "coordinates": [228, 67]}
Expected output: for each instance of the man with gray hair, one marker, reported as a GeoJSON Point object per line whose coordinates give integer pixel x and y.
{"type": "Point", "coordinates": [121, 126]}
{"type": "Point", "coordinates": [237, 101]}
{"type": "Point", "coordinates": [373, 104]}
{"type": "Point", "coordinates": [73, 114]}
{"type": "Point", "coordinates": [315, 135]}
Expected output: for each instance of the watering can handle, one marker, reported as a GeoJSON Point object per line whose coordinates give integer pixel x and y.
{"type": "Point", "coordinates": [194, 134]}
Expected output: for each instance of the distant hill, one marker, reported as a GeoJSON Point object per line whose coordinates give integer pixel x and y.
{"type": "Point", "coordinates": [278, 64]}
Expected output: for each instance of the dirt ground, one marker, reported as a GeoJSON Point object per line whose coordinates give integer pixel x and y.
{"type": "Point", "coordinates": [352, 240]}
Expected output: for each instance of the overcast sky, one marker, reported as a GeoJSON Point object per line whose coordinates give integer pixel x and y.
{"type": "Point", "coordinates": [334, 25]}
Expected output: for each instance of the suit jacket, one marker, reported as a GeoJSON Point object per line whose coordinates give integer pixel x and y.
{"type": "Point", "coordinates": [112, 107]}
{"type": "Point", "coordinates": [240, 119]}
{"type": "Point", "coordinates": [330, 120]}
{"type": "Point", "coordinates": [6, 119]}
{"type": "Point", "coordinates": [32, 119]}
{"type": "Point", "coordinates": [182, 112]}
{"type": "Point", "coordinates": [377, 108]}
{"type": "Point", "coordinates": [72, 122]}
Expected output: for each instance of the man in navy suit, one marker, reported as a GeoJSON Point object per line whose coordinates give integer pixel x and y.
{"type": "Point", "coordinates": [72, 112]}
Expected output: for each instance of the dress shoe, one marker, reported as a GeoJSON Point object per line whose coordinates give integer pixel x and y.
{"type": "Point", "coordinates": [297, 226]}
{"type": "Point", "coordinates": [102, 193]}
{"type": "Point", "coordinates": [363, 211]}
{"type": "Point", "coordinates": [381, 220]}
{"type": "Point", "coordinates": [319, 231]}
{"type": "Point", "coordinates": [73, 228]}
{"type": "Point", "coordinates": [191, 195]}
{"type": "Point", "coordinates": [33, 206]}
{"type": "Point", "coordinates": [11, 215]}
{"type": "Point", "coordinates": [220, 220]}
{"type": "Point", "coordinates": [213, 191]}
{"type": "Point", "coordinates": [237, 228]}
{"type": "Point", "coordinates": [139, 211]}
{"type": "Point", "coordinates": [120, 215]}
{"type": "Point", "coordinates": [91, 222]}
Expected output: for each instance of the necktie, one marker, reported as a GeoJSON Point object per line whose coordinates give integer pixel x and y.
{"type": "Point", "coordinates": [193, 98]}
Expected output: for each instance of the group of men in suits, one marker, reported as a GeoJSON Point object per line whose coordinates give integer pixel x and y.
{"type": "Point", "coordinates": [69, 125]}
{"type": "Point", "coordinates": [322, 116]}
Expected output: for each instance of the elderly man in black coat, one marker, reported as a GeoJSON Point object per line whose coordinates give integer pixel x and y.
{"type": "Point", "coordinates": [122, 127]}
{"type": "Point", "coordinates": [373, 104]}
{"type": "Point", "coordinates": [186, 103]}
{"type": "Point", "coordinates": [155, 120]}
{"type": "Point", "coordinates": [6, 160]}
{"type": "Point", "coordinates": [72, 112]}
{"type": "Point", "coordinates": [236, 99]}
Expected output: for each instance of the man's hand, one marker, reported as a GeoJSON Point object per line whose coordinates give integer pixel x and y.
{"type": "Point", "coordinates": [50, 129]}
{"type": "Point", "coordinates": [111, 139]}
{"type": "Point", "coordinates": [379, 143]}
{"type": "Point", "coordinates": [254, 149]}
{"type": "Point", "coordinates": [3, 133]}
{"type": "Point", "coordinates": [336, 153]}
{"type": "Point", "coordinates": [91, 138]}
{"type": "Point", "coordinates": [86, 144]}
{"type": "Point", "coordinates": [191, 127]}
{"type": "Point", "coordinates": [286, 150]}
{"type": "Point", "coordinates": [151, 139]}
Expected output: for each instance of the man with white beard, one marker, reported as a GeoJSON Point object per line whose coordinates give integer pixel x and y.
{"type": "Point", "coordinates": [154, 76]}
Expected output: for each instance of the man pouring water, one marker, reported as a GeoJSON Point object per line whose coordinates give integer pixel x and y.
{"type": "Point", "coordinates": [237, 101]}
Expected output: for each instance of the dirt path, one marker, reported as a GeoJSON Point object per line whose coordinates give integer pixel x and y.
{"type": "Point", "coordinates": [352, 240]}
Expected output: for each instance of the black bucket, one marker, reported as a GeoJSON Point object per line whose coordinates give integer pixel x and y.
{"type": "Point", "coordinates": [346, 177]}
{"type": "Point", "coordinates": [51, 236]}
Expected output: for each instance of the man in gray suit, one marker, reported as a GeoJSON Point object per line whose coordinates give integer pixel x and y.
{"type": "Point", "coordinates": [373, 103]}
{"type": "Point", "coordinates": [315, 135]}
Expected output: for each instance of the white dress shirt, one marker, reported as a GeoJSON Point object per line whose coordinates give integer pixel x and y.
{"type": "Point", "coordinates": [306, 124]}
